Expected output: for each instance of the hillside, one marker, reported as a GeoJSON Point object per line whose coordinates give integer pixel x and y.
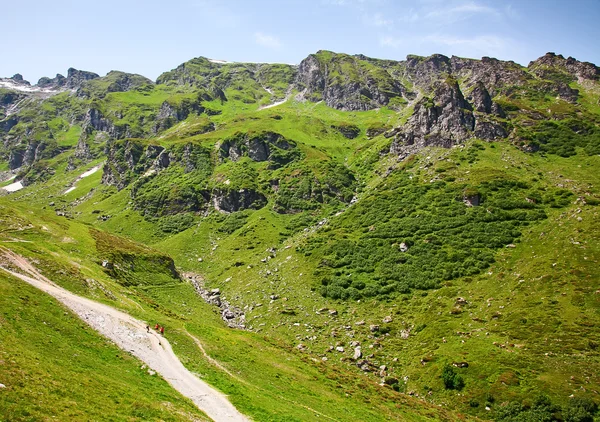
{"type": "Point", "coordinates": [390, 240]}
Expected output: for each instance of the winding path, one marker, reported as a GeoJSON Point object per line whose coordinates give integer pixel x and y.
{"type": "Point", "coordinates": [131, 336]}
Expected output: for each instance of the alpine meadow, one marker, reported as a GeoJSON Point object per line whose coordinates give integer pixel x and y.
{"type": "Point", "coordinates": [347, 239]}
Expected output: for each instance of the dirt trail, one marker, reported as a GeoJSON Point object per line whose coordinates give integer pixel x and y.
{"type": "Point", "coordinates": [130, 335]}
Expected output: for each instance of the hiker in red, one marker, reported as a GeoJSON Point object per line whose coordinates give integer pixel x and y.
{"type": "Point", "coordinates": [156, 327]}
{"type": "Point", "coordinates": [162, 330]}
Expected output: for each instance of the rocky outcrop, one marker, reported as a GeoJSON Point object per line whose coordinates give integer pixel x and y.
{"type": "Point", "coordinates": [426, 71]}
{"type": "Point", "coordinates": [58, 81]}
{"type": "Point", "coordinates": [494, 74]}
{"type": "Point", "coordinates": [95, 120]}
{"type": "Point", "coordinates": [82, 153]}
{"type": "Point", "coordinates": [171, 114]}
{"type": "Point", "coordinates": [75, 78]}
{"type": "Point", "coordinates": [553, 66]}
{"type": "Point", "coordinates": [266, 146]}
{"type": "Point", "coordinates": [122, 82]}
{"type": "Point", "coordinates": [236, 200]}
{"type": "Point", "coordinates": [348, 131]}
{"type": "Point", "coordinates": [445, 120]}
{"type": "Point", "coordinates": [122, 160]}
{"type": "Point", "coordinates": [231, 315]}
{"type": "Point", "coordinates": [18, 78]}
{"type": "Point", "coordinates": [344, 83]}
{"type": "Point", "coordinates": [482, 101]}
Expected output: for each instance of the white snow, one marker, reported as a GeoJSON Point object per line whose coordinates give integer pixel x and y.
{"type": "Point", "coordinates": [218, 61]}
{"type": "Point", "coordinates": [13, 177]}
{"type": "Point", "coordinates": [89, 172]}
{"type": "Point", "coordinates": [9, 84]}
{"type": "Point", "coordinates": [13, 187]}
{"type": "Point", "coordinates": [275, 104]}
{"type": "Point", "coordinates": [81, 176]}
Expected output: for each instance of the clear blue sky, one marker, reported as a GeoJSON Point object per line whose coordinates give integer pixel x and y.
{"type": "Point", "coordinates": [149, 37]}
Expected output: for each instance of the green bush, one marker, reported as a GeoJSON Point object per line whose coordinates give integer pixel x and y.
{"type": "Point", "coordinates": [452, 380]}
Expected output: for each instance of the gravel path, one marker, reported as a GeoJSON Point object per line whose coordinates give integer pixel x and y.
{"type": "Point", "coordinates": [130, 335]}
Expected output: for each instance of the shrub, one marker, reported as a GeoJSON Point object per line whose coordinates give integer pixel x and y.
{"type": "Point", "coordinates": [451, 379]}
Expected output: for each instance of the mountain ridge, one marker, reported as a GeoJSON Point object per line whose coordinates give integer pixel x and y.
{"type": "Point", "coordinates": [421, 230]}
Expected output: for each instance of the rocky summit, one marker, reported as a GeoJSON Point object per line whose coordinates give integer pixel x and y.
{"type": "Point", "coordinates": [350, 238]}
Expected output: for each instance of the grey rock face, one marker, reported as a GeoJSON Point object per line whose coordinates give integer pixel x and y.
{"type": "Point", "coordinates": [76, 77]}
{"type": "Point", "coordinates": [169, 115]}
{"type": "Point", "coordinates": [480, 97]}
{"type": "Point", "coordinates": [494, 74]}
{"type": "Point", "coordinates": [58, 81]}
{"type": "Point", "coordinates": [97, 121]}
{"type": "Point", "coordinates": [18, 78]}
{"type": "Point", "coordinates": [425, 71]}
{"type": "Point", "coordinates": [546, 67]}
{"type": "Point", "coordinates": [360, 91]}
{"type": "Point", "coordinates": [257, 147]}
{"type": "Point", "coordinates": [236, 200]}
{"type": "Point", "coordinates": [444, 121]}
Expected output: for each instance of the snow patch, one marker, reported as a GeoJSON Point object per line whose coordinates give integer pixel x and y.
{"type": "Point", "coordinates": [81, 176]}
{"type": "Point", "coordinates": [89, 172]}
{"type": "Point", "coordinates": [9, 84]}
{"type": "Point", "coordinates": [219, 61]}
{"type": "Point", "coordinates": [275, 104]}
{"type": "Point", "coordinates": [13, 187]}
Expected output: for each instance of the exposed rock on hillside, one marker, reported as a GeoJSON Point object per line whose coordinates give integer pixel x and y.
{"type": "Point", "coordinates": [267, 146]}
{"type": "Point", "coordinates": [75, 78]}
{"type": "Point", "coordinates": [445, 120]}
{"type": "Point", "coordinates": [494, 74]}
{"type": "Point", "coordinates": [346, 82]}
{"type": "Point", "coordinates": [171, 114]}
{"type": "Point", "coordinates": [236, 200]}
{"type": "Point", "coordinates": [552, 66]}
{"type": "Point", "coordinates": [425, 71]}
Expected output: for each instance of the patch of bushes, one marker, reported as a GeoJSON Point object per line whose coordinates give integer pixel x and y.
{"type": "Point", "coordinates": [578, 409]}
{"type": "Point", "coordinates": [413, 235]}
{"type": "Point", "coordinates": [175, 223]}
{"type": "Point", "coordinates": [451, 379]}
{"type": "Point", "coordinates": [234, 221]}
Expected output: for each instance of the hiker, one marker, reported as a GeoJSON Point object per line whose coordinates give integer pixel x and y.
{"type": "Point", "coordinates": [162, 330]}
{"type": "Point", "coordinates": [147, 328]}
{"type": "Point", "coordinates": [156, 327]}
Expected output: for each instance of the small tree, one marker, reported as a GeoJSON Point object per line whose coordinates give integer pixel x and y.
{"type": "Point", "coordinates": [452, 380]}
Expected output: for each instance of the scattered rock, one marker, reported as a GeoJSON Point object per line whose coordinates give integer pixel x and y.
{"type": "Point", "coordinates": [387, 319]}
{"type": "Point", "coordinates": [357, 353]}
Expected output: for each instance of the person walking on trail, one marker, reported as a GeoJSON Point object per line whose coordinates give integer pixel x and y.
{"type": "Point", "coordinates": [162, 330]}
{"type": "Point", "coordinates": [147, 328]}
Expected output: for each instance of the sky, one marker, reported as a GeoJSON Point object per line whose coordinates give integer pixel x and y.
{"type": "Point", "coordinates": [151, 36]}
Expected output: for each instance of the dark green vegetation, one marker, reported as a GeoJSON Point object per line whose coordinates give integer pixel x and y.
{"type": "Point", "coordinates": [426, 235]}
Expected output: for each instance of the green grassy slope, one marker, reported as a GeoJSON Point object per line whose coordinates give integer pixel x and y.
{"type": "Point", "coordinates": [468, 276]}
{"type": "Point", "coordinates": [56, 367]}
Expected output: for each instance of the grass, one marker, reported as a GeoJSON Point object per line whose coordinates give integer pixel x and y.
{"type": "Point", "coordinates": [507, 287]}
{"type": "Point", "coordinates": [257, 389]}
{"type": "Point", "coordinates": [55, 367]}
